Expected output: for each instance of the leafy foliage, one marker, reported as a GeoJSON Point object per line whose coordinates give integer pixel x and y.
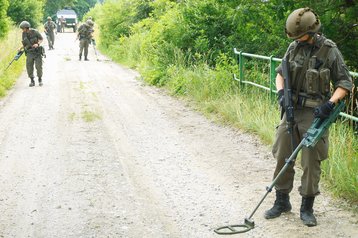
{"type": "Point", "coordinates": [4, 25]}
{"type": "Point", "coordinates": [81, 7]}
{"type": "Point", "coordinates": [187, 46]}
{"type": "Point", "coordinates": [26, 10]}
{"type": "Point", "coordinates": [127, 12]}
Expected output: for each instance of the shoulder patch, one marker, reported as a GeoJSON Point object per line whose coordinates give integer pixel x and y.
{"type": "Point", "coordinates": [329, 43]}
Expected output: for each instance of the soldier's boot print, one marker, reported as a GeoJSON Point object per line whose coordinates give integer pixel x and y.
{"type": "Point", "coordinates": [306, 211]}
{"type": "Point", "coordinates": [32, 82]}
{"type": "Point", "coordinates": [40, 82]}
{"type": "Point", "coordinates": [282, 204]}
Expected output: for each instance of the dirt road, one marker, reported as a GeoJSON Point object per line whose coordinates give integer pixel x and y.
{"type": "Point", "coordinates": [96, 153]}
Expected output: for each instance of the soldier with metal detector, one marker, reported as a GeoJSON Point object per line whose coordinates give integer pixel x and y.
{"type": "Point", "coordinates": [85, 37]}
{"type": "Point", "coordinates": [312, 64]}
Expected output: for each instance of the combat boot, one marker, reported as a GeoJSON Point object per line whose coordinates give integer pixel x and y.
{"type": "Point", "coordinates": [282, 204]}
{"type": "Point", "coordinates": [32, 83]}
{"type": "Point", "coordinates": [306, 211]}
{"type": "Point", "coordinates": [40, 82]}
{"type": "Point", "coordinates": [86, 59]}
{"type": "Point", "coordinates": [80, 57]}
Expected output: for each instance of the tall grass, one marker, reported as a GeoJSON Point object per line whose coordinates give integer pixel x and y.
{"type": "Point", "coordinates": [8, 49]}
{"type": "Point", "coordinates": [252, 110]}
{"type": "Point", "coordinates": [340, 170]}
{"type": "Point", "coordinates": [216, 94]}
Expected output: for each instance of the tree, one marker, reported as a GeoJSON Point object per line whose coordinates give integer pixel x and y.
{"type": "Point", "coordinates": [79, 6]}
{"type": "Point", "coordinates": [4, 25]}
{"type": "Point", "coordinates": [51, 6]}
{"type": "Point", "coordinates": [83, 6]}
{"type": "Point", "coordinates": [29, 10]}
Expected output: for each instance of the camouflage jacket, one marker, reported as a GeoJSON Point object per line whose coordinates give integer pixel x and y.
{"type": "Point", "coordinates": [50, 26]}
{"type": "Point", "coordinates": [85, 32]}
{"type": "Point", "coordinates": [315, 67]}
{"type": "Point", "coordinates": [29, 39]}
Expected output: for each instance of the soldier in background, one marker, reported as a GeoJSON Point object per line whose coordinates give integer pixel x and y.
{"type": "Point", "coordinates": [62, 22]}
{"type": "Point", "coordinates": [85, 36]}
{"type": "Point", "coordinates": [31, 40]}
{"type": "Point", "coordinates": [49, 27]}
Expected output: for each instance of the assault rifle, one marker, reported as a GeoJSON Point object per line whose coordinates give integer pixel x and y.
{"type": "Point", "coordinates": [288, 102]}
{"type": "Point", "coordinates": [310, 138]}
{"type": "Point", "coordinates": [16, 57]}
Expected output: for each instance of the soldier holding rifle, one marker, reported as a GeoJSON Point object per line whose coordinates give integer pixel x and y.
{"type": "Point", "coordinates": [31, 40]}
{"type": "Point", "coordinates": [312, 64]}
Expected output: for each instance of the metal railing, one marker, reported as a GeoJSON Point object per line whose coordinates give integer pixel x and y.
{"type": "Point", "coordinates": [272, 76]}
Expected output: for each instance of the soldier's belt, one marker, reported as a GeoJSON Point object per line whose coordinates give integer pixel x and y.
{"type": "Point", "coordinates": [307, 102]}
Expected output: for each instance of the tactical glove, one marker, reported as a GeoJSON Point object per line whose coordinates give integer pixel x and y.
{"type": "Point", "coordinates": [323, 111]}
{"type": "Point", "coordinates": [281, 98]}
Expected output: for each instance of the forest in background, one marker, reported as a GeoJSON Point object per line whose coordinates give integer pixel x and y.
{"type": "Point", "coordinates": [12, 12]}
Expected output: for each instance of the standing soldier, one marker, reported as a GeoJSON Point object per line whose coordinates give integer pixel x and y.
{"type": "Point", "coordinates": [85, 36]}
{"type": "Point", "coordinates": [31, 40]}
{"type": "Point", "coordinates": [50, 26]}
{"type": "Point", "coordinates": [315, 63]}
{"type": "Point", "coordinates": [62, 22]}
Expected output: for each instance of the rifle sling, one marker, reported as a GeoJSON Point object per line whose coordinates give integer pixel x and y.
{"type": "Point", "coordinates": [301, 79]}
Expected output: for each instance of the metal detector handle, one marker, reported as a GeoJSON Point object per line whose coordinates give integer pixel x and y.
{"type": "Point", "coordinates": [320, 126]}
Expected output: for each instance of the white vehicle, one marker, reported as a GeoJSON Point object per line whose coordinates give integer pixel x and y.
{"type": "Point", "coordinates": [70, 17]}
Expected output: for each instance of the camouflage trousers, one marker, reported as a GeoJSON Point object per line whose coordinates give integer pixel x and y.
{"type": "Point", "coordinates": [31, 60]}
{"type": "Point", "coordinates": [51, 39]}
{"type": "Point", "coordinates": [84, 44]}
{"type": "Point", "coordinates": [311, 158]}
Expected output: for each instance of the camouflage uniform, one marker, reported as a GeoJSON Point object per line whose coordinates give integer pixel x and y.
{"type": "Point", "coordinates": [314, 64]}
{"type": "Point", "coordinates": [85, 35]}
{"type": "Point", "coordinates": [328, 66]}
{"type": "Point", "coordinates": [33, 55]}
{"type": "Point", "coordinates": [50, 26]}
{"type": "Point", "coordinates": [62, 22]}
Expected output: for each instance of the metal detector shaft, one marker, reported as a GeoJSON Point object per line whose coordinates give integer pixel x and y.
{"type": "Point", "coordinates": [289, 161]}
{"type": "Point", "coordinates": [313, 135]}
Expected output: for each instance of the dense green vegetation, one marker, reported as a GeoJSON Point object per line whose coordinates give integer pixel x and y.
{"type": "Point", "coordinates": [29, 10]}
{"type": "Point", "coordinates": [80, 6]}
{"type": "Point", "coordinates": [4, 24]}
{"type": "Point", "coordinates": [8, 49]}
{"type": "Point", "coordinates": [187, 47]}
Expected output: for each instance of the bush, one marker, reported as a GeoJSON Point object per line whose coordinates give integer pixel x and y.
{"type": "Point", "coordinates": [26, 10]}
{"type": "Point", "coordinates": [4, 24]}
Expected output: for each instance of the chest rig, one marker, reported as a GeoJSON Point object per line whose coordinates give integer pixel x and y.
{"type": "Point", "coordinates": [310, 72]}
{"type": "Point", "coordinates": [29, 39]}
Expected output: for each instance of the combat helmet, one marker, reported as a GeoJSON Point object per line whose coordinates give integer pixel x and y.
{"type": "Point", "coordinates": [49, 18]}
{"type": "Point", "coordinates": [302, 21]}
{"type": "Point", "coordinates": [24, 24]}
{"type": "Point", "coordinates": [90, 23]}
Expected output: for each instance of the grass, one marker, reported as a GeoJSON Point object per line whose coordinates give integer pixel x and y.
{"type": "Point", "coordinates": [8, 48]}
{"type": "Point", "coordinates": [251, 109]}
{"type": "Point", "coordinates": [89, 116]}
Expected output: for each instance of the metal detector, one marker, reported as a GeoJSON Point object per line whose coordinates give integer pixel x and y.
{"type": "Point", "coordinates": [94, 47]}
{"type": "Point", "coordinates": [310, 139]}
